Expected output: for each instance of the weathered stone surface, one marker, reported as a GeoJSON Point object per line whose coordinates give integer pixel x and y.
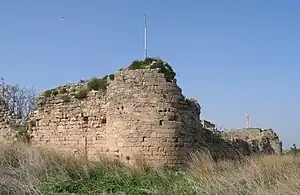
{"type": "Point", "coordinates": [136, 112]}
{"type": "Point", "coordinates": [76, 124]}
{"type": "Point", "coordinates": [4, 123]}
{"type": "Point", "coordinates": [260, 140]}
{"type": "Point", "coordinates": [140, 113]}
{"type": "Point", "coordinates": [11, 129]}
{"type": "Point", "coordinates": [150, 117]}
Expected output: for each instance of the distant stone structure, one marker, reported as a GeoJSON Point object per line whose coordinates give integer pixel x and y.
{"type": "Point", "coordinates": [264, 141]}
{"type": "Point", "coordinates": [139, 110]}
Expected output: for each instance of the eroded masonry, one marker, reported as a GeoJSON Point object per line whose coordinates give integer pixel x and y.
{"type": "Point", "coordinates": [4, 123]}
{"type": "Point", "coordinates": [138, 111]}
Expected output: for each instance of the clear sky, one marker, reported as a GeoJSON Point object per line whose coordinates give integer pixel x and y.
{"type": "Point", "coordinates": [233, 56]}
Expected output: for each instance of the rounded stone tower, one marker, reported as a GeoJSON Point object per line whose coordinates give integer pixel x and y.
{"type": "Point", "coordinates": [148, 116]}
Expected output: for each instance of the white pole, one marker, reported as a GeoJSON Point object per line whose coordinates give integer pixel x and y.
{"type": "Point", "coordinates": [145, 36]}
{"type": "Point", "coordinates": [247, 120]}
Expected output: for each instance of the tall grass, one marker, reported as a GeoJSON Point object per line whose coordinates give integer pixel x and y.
{"type": "Point", "coordinates": [267, 175]}
{"type": "Point", "coordinates": [27, 170]}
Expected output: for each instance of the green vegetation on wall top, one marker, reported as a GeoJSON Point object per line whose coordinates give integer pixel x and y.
{"type": "Point", "coordinates": [154, 63]}
{"type": "Point", "coordinates": [97, 83]}
{"type": "Point", "coordinates": [80, 92]}
{"type": "Point", "coordinates": [100, 84]}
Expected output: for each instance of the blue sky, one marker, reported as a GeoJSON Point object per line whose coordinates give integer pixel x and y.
{"type": "Point", "coordinates": [233, 56]}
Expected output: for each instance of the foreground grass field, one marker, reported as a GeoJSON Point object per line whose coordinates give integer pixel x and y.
{"type": "Point", "coordinates": [25, 170]}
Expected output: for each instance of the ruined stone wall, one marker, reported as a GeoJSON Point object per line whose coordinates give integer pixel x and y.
{"type": "Point", "coordinates": [138, 111]}
{"type": "Point", "coordinates": [139, 114]}
{"type": "Point", "coordinates": [149, 116]}
{"type": "Point", "coordinates": [260, 140]}
{"type": "Point", "coordinates": [4, 122]}
{"type": "Point", "coordinates": [68, 123]}
{"type": "Point", "coordinates": [11, 129]}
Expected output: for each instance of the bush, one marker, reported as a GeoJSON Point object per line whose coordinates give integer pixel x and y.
{"type": "Point", "coordinates": [166, 69]}
{"type": "Point", "coordinates": [136, 65]}
{"type": "Point", "coordinates": [54, 92]}
{"type": "Point", "coordinates": [112, 77]}
{"type": "Point", "coordinates": [51, 92]}
{"type": "Point", "coordinates": [163, 67]}
{"type": "Point", "coordinates": [48, 93]}
{"type": "Point", "coordinates": [62, 90]}
{"type": "Point", "coordinates": [97, 83]}
{"type": "Point", "coordinates": [149, 60]}
{"type": "Point", "coordinates": [81, 94]}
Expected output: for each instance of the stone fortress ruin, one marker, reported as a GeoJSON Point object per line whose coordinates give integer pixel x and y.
{"type": "Point", "coordinates": [138, 111]}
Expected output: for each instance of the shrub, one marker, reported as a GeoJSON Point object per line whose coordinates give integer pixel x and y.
{"type": "Point", "coordinates": [136, 65]}
{"type": "Point", "coordinates": [105, 79]}
{"type": "Point", "coordinates": [81, 94]}
{"type": "Point", "coordinates": [54, 92]}
{"type": "Point", "coordinates": [62, 90]}
{"type": "Point", "coordinates": [166, 69]}
{"type": "Point", "coordinates": [112, 77]}
{"type": "Point", "coordinates": [93, 84]}
{"type": "Point", "coordinates": [97, 83]}
{"type": "Point", "coordinates": [163, 67]}
{"type": "Point", "coordinates": [48, 93]}
{"type": "Point", "coordinates": [149, 60]}
{"type": "Point", "coordinates": [103, 83]}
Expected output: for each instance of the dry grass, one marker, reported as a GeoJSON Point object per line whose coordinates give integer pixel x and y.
{"type": "Point", "coordinates": [268, 175]}
{"type": "Point", "coordinates": [26, 170]}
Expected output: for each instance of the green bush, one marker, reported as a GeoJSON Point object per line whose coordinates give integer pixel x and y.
{"type": "Point", "coordinates": [48, 93]}
{"type": "Point", "coordinates": [112, 77]}
{"type": "Point", "coordinates": [105, 79]}
{"type": "Point", "coordinates": [136, 65]}
{"type": "Point", "coordinates": [166, 69]}
{"type": "Point", "coordinates": [54, 92]}
{"type": "Point", "coordinates": [97, 83]}
{"type": "Point", "coordinates": [149, 60]}
{"type": "Point", "coordinates": [61, 90]}
{"type": "Point", "coordinates": [163, 67]}
{"type": "Point", "coordinates": [81, 94]}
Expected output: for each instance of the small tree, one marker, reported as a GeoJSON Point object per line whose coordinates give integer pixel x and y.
{"type": "Point", "coordinates": [19, 101]}
{"type": "Point", "coordinates": [294, 150]}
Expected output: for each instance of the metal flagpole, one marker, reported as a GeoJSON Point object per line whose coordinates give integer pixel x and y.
{"type": "Point", "coordinates": [145, 36]}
